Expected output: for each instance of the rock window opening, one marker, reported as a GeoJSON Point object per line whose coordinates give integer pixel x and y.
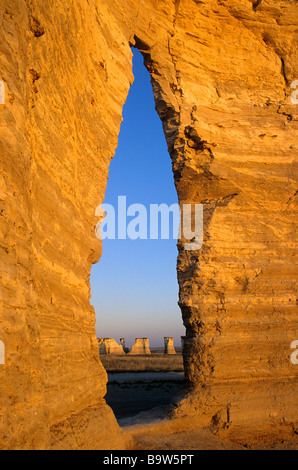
{"type": "Point", "coordinates": [134, 285]}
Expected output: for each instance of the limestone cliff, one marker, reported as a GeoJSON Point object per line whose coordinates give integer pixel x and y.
{"type": "Point", "coordinates": [221, 74]}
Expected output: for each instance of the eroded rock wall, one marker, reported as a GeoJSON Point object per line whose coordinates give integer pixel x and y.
{"type": "Point", "coordinates": [58, 134]}
{"type": "Point", "coordinates": [221, 73]}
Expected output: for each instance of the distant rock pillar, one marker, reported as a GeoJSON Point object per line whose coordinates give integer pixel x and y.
{"type": "Point", "coordinates": [140, 347]}
{"type": "Point", "coordinates": [169, 345]}
{"type": "Point", "coordinates": [109, 346]}
{"type": "Point", "coordinates": [102, 345]}
{"type": "Point", "coordinates": [122, 342]}
{"type": "Point", "coordinates": [146, 346]}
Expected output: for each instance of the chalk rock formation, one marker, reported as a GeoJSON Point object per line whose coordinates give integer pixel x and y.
{"type": "Point", "coordinates": [221, 72]}
{"type": "Point", "coordinates": [140, 347]}
{"type": "Point", "coordinates": [122, 342]}
{"type": "Point", "coordinates": [169, 345]}
{"type": "Point", "coordinates": [110, 346]}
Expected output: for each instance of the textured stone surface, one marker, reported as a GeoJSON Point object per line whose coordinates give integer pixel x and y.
{"type": "Point", "coordinates": [221, 73]}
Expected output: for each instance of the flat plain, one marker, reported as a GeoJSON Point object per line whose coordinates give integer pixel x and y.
{"type": "Point", "coordinates": [156, 362]}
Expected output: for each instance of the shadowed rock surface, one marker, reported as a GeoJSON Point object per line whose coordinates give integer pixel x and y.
{"type": "Point", "coordinates": [221, 73]}
{"type": "Point", "coordinates": [132, 393]}
{"type": "Point", "coordinates": [110, 346]}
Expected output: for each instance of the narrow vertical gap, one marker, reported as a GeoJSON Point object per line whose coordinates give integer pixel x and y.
{"type": "Point", "coordinates": [134, 285]}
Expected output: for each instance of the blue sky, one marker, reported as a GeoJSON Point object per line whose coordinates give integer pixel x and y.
{"type": "Point", "coordinates": [134, 285]}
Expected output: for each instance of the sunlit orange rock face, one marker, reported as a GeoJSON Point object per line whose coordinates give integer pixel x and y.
{"type": "Point", "coordinates": [221, 72]}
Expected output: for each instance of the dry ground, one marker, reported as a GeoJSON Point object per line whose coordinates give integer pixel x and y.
{"type": "Point", "coordinates": [153, 363]}
{"type": "Point", "coordinates": [150, 429]}
{"type": "Point", "coordinates": [150, 432]}
{"type": "Point", "coordinates": [201, 439]}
